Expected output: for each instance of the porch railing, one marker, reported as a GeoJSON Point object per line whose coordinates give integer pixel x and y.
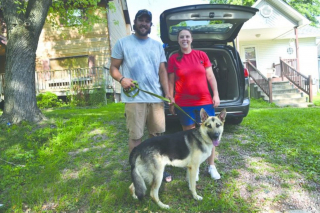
{"type": "Point", "coordinates": [292, 62]}
{"type": "Point", "coordinates": [301, 81]}
{"type": "Point", "coordinates": [64, 80]}
{"type": "Point", "coordinates": [264, 83]}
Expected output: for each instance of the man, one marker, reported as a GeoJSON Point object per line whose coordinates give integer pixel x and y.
{"type": "Point", "coordinates": [142, 59]}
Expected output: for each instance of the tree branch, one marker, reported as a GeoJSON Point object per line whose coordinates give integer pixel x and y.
{"type": "Point", "coordinates": [35, 10]}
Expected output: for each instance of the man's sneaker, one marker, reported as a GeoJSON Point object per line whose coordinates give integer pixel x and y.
{"type": "Point", "coordinates": [213, 172]}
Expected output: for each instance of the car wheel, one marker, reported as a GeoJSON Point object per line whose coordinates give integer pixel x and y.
{"type": "Point", "coordinates": [234, 121]}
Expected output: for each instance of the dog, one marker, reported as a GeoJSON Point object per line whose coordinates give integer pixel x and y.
{"type": "Point", "coordinates": [182, 149]}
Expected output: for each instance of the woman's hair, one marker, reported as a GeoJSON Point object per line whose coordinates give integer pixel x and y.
{"type": "Point", "coordinates": [179, 51]}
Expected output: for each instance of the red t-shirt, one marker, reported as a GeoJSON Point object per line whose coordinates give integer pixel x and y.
{"type": "Point", "coordinates": [191, 87]}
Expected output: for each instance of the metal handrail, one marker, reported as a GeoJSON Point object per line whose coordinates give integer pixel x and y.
{"type": "Point", "coordinates": [301, 81]}
{"type": "Point", "coordinates": [264, 83]}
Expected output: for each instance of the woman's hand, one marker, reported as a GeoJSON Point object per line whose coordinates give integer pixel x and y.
{"type": "Point", "coordinates": [216, 101]}
{"type": "Point", "coordinates": [171, 106]}
{"type": "Point", "coordinates": [171, 109]}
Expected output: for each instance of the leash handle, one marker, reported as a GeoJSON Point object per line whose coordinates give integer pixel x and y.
{"type": "Point", "coordinates": [136, 87]}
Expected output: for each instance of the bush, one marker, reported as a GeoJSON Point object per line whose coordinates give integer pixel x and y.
{"type": "Point", "coordinates": [48, 100]}
{"type": "Point", "coordinates": [85, 96]}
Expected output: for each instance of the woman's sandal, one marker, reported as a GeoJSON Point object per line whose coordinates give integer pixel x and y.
{"type": "Point", "coordinates": [167, 177]}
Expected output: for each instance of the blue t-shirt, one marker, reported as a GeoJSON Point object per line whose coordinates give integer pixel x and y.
{"type": "Point", "coordinates": [141, 62]}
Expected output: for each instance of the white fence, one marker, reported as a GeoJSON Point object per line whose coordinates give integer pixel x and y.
{"type": "Point", "coordinates": [62, 81]}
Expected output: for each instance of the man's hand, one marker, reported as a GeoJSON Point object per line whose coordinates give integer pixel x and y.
{"type": "Point", "coordinates": [127, 83]}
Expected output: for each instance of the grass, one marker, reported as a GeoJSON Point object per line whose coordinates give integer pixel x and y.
{"type": "Point", "coordinates": [316, 99]}
{"type": "Point", "coordinates": [77, 161]}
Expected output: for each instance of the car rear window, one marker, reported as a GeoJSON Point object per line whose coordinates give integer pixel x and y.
{"type": "Point", "coordinates": [202, 27]}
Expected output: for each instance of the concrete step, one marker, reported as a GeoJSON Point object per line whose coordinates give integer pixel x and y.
{"type": "Point", "coordinates": [282, 86]}
{"type": "Point", "coordinates": [281, 91]}
{"type": "Point", "coordinates": [289, 100]}
{"type": "Point", "coordinates": [300, 105]}
{"type": "Point", "coordinates": [287, 95]}
{"type": "Point", "coordinates": [284, 94]}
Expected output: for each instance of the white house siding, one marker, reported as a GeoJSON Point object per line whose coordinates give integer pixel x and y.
{"type": "Point", "coordinates": [269, 52]}
{"type": "Point", "coordinates": [308, 57]}
{"type": "Point", "coordinates": [277, 19]}
{"type": "Point", "coordinates": [117, 24]}
{"type": "Point", "coordinates": [117, 29]}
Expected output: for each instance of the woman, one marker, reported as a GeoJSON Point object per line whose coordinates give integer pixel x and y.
{"type": "Point", "coordinates": [189, 71]}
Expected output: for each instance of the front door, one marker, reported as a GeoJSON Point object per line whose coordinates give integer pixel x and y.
{"type": "Point", "coordinates": [250, 54]}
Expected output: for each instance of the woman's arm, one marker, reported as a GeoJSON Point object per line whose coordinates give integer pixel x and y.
{"type": "Point", "coordinates": [213, 84]}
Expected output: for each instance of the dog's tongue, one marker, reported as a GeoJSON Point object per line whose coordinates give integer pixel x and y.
{"type": "Point", "coordinates": [215, 142]}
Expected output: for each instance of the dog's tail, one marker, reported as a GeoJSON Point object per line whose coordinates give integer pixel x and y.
{"type": "Point", "coordinates": [139, 184]}
{"type": "Point", "coordinates": [137, 179]}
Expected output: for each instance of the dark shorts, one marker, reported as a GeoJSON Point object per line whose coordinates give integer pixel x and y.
{"type": "Point", "coordinates": [194, 112]}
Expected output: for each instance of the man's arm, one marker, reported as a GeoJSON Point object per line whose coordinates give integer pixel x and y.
{"type": "Point", "coordinates": [171, 77]}
{"type": "Point", "coordinates": [126, 83]}
{"type": "Point", "coordinates": [163, 75]}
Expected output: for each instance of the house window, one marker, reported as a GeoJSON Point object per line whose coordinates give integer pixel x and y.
{"type": "Point", "coordinates": [69, 63]}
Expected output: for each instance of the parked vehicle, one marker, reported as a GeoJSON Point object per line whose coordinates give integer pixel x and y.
{"type": "Point", "coordinates": [214, 28]}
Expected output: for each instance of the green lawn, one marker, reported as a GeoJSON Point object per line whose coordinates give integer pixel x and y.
{"type": "Point", "coordinates": [77, 161]}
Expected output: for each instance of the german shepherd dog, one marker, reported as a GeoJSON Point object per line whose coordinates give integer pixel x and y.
{"type": "Point", "coordinates": [182, 149]}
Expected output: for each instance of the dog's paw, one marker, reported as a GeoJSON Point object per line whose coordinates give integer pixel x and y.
{"type": "Point", "coordinates": [197, 197]}
{"type": "Point", "coordinates": [135, 197]}
{"type": "Point", "coordinates": [163, 206]}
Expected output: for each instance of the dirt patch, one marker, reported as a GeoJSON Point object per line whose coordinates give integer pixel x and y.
{"type": "Point", "coordinates": [268, 186]}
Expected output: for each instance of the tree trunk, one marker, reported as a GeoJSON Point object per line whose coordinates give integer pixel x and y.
{"type": "Point", "coordinates": [23, 36]}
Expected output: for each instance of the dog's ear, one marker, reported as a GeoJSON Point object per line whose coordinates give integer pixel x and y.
{"type": "Point", "coordinates": [223, 114]}
{"type": "Point", "coordinates": [203, 115]}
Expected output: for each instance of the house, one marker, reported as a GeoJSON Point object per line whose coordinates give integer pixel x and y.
{"type": "Point", "coordinates": [65, 56]}
{"type": "Point", "coordinates": [278, 30]}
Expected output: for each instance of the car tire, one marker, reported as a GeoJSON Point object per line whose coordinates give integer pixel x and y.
{"type": "Point", "coordinates": [234, 121]}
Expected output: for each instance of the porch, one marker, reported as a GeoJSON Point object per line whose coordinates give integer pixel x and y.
{"type": "Point", "coordinates": [283, 86]}
{"type": "Point", "coordinates": [62, 82]}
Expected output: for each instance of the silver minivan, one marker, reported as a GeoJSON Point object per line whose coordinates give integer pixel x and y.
{"type": "Point", "coordinates": [214, 29]}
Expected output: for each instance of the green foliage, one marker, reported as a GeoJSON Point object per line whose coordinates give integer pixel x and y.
{"type": "Point", "coordinates": [310, 9]}
{"type": "Point", "coordinates": [82, 95]}
{"type": "Point", "coordinates": [292, 132]}
{"type": "Point", "coordinates": [78, 95]}
{"type": "Point", "coordinates": [21, 6]}
{"type": "Point", "coordinates": [48, 100]}
{"type": "Point", "coordinates": [78, 14]}
{"type": "Point", "coordinates": [316, 99]}
{"type": "Point", "coordinates": [260, 103]}
{"type": "Point", "coordinates": [234, 2]}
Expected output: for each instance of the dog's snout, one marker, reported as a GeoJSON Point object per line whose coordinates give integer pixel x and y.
{"type": "Point", "coordinates": [216, 135]}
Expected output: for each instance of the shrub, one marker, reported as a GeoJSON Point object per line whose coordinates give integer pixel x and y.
{"type": "Point", "coordinates": [48, 100]}
{"type": "Point", "coordinates": [82, 95]}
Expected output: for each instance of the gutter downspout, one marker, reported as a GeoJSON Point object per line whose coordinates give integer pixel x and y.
{"type": "Point", "coordinates": [297, 47]}
{"type": "Point", "coordinates": [108, 63]}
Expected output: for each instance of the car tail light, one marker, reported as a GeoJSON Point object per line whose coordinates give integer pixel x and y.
{"type": "Point", "coordinates": [246, 72]}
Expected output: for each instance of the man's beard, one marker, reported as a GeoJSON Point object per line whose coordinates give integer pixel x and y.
{"type": "Point", "coordinates": [140, 33]}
